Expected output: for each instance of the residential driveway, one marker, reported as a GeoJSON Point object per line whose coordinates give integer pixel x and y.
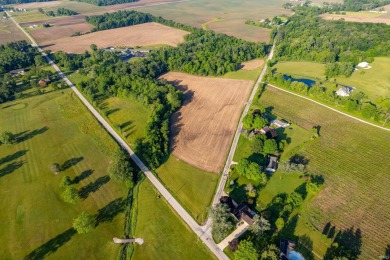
{"type": "Point", "coordinates": [235, 234]}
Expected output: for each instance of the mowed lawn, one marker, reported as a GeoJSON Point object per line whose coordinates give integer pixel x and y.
{"type": "Point", "coordinates": [194, 188]}
{"type": "Point", "coordinates": [354, 159]}
{"type": "Point", "coordinates": [374, 82]}
{"type": "Point", "coordinates": [36, 221]}
{"type": "Point", "coordinates": [165, 235]}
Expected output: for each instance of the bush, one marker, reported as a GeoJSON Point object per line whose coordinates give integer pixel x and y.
{"type": "Point", "coordinates": [65, 182]}
{"type": "Point", "coordinates": [7, 138]}
{"type": "Point", "coordinates": [279, 223]}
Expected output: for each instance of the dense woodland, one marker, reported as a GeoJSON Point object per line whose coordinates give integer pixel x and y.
{"type": "Point", "coordinates": [106, 2]}
{"type": "Point", "coordinates": [308, 37]}
{"type": "Point", "coordinates": [16, 55]}
{"type": "Point", "coordinates": [203, 52]}
{"type": "Point", "coordinates": [10, 2]}
{"type": "Point", "coordinates": [356, 5]}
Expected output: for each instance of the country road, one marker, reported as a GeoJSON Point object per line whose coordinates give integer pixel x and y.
{"type": "Point", "coordinates": [207, 240]}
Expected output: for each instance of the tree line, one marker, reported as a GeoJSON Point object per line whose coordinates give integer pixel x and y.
{"type": "Point", "coordinates": [355, 5]}
{"type": "Point", "coordinates": [106, 2]}
{"type": "Point", "coordinates": [16, 55]}
{"type": "Point", "coordinates": [60, 12]}
{"type": "Point", "coordinates": [11, 2]}
{"type": "Point", "coordinates": [203, 52]}
{"type": "Point", "coordinates": [308, 37]}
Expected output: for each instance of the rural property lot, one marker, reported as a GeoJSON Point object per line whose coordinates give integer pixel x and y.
{"type": "Point", "coordinates": [360, 17]}
{"type": "Point", "coordinates": [61, 27]}
{"type": "Point", "coordinates": [203, 128]}
{"type": "Point", "coordinates": [9, 32]}
{"type": "Point", "coordinates": [354, 159]}
{"type": "Point", "coordinates": [137, 35]}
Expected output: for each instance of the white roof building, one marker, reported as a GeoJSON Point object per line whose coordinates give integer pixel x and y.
{"type": "Point", "coordinates": [344, 91]}
{"type": "Point", "coordinates": [363, 64]}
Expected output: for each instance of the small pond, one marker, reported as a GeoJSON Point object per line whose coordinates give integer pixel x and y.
{"type": "Point", "coordinates": [308, 82]}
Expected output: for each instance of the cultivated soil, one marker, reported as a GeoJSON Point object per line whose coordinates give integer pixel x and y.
{"type": "Point", "coordinates": [61, 28]}
{"type": "Point", "coordinates": [137, 35]}
{"type": "Point", "coordinates": [350, 18]}
{"type": "Point", "coordinates": [203, 128]}
{"type": "Point", "coordinates": [38, 5]}
{"type": "Point", "coordinates": [252, 64]}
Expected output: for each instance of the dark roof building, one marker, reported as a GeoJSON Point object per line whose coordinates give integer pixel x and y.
{"type": "Point", "coordinates": [16, 72]}
{"type": "Point", "coordinates": [272, 164]}
{"type": "Point", "coordinates": [287, 250]}
{"type": "Point", "coordinates": [243, 212]}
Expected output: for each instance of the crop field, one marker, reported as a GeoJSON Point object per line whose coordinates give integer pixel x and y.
{"type": "Point", "coordinates": [165, 235]}
{"type": "Point", "coordinates": [60, 28]}
{"type": "Point", "coordinates": [203, 128]}
{"type": "Point", "coordinates": [137, 35]}
{"type": "Point", "coordinates": [56, 128]}
{"type": "Point", "coordinates": [229, 15]}
{"type": "Point", "coordinates": [374, 82]}
{"type": "Point", "coordinates": [354, 159]}
{"type": "Point", "coordinates": [8, 31]}
{"type": "Point", "coordinates": [184, 182]}
{"type": "Point", "coordinates": [359, 17]}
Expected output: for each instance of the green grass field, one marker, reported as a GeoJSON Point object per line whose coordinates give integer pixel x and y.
{"type": "Point", "coordinates": [193, 187]}
{"type": "Point", "coordinates": [244, 74]}
{"type": "Point", "coordinates": [165, 235]}
{"type": "Point", "coordinates": [55, 127]}
{"type": "Point", "coordinates": [354, 160]}
{"type": "Point", "coordinates": [374, 82]}
{"type": "Point", "coordinates": [31, 15]}
{"type": "Point", "coordinates": [233, 15]}
{"type": "Point", "coordinates": [204, 25]}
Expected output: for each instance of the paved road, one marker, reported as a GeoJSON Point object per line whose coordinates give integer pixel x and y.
{"type": "Point", "coordinates": [209, 242]}
{"type": "Point", "coordinates": [331, 108]}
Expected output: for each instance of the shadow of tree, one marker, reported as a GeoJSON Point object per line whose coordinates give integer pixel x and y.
{"type": "Point", "coordinates": [12, 157]}
{"type": "Point", "coordinates": [93, 186]}
{"type": "Point", "coordinates": [347, 244]}
{"type": "Point", "coordinates": [305, 246]}
{"type": "Point", "coordinates": [112, 111]}
{"type": "Point", "coordinates": [108, 212]}
{"type": "Point", "coordinates": [52, 245]}
{"type": "Point", "coordinates": [238, 193]}
{"type": "Point", "coordinates": [10, 168]}
{"type": "Point", "coordinates": [71, 162]}
{"type": "Point", "coordinates": [387, 252]}
{"type": "Point", "coordinates": [26, 135]}
{"type": "Point", "coordinates": [82, 176]}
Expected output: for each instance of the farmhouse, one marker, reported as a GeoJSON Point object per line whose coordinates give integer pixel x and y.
{"type": "Point", "coordinates": [44, 82]}
{"type": "Point", "coordinates": [279, 123]}
{"type": "Point", "coordinates": [344, 91]}
{"type": "Point", "coordinates": [270, 133]}
{"type": "Point", "coordinates": [272, 164]}
{"type": "Point", "coordinates": [241, 211]}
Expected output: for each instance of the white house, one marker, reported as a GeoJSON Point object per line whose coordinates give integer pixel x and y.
{"type": "Point", "coordinates": [279, 123]}
{"type": "Point", "coordinates": [344, 91]}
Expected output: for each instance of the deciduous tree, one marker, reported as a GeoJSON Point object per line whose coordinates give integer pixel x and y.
{"type": "Point", "coordinates": [84, 223]}
{"type": "Point", "coordinates": [246, 251]}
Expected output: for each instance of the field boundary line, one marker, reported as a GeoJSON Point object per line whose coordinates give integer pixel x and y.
{"type": "Point", "coordinates": [331, 108]}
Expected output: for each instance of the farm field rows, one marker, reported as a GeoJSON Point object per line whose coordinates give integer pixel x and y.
{"type": "Point", "coordinates": [164, 233]}
{"type": "Point", "coordinates": [374, 82]}
{"type": "Point", "coordinates": [232, 15]}
{"type": "Point", "coordinates": [354, 160]}
{"type": "Point", "coordinates": [137, 35]}
{"type": "Point", "coordinates": [39, 222]}
{"type": "Point", "coordinates": [8, 31]}
{"type": "Point", "coordinates": [359, 17]}
{"type": "Point", "coordinates": [203, 127]}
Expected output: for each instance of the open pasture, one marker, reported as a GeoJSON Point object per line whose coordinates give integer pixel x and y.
{"type": "Point", "coordinates": [203, 128]}
{"type": "Point", "coordinates": [359, 17]}
{"type": "Point", "coordinates": [8, 31]}
{"type": "Point", "coordinates": [62, 27]}
{"type": "Point", "coordinates": [165, 235]}
{"type": "Point", "coordinates": [374, 82]}
{"type": "Point", "coordinates": [137, 35]}
{"type": "Point", "coordinates": [354, 160]}
{"type": "Point", "coordinates": [56, 128]}
{"type": "Point", "coordinates": [232, 15]}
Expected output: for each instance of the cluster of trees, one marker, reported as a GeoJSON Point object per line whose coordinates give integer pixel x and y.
{"type": "Point", "coordinates": [16, 55]}
{"type": "Point", "coordinates": [106, 2]}
{"type": "Point", "coordinates": [339, 68]}
{"type": "Point", "coordinates": [355, 5]}
{"type": "Point", "coordinates": [223, 223]}
{"type": "Point", "coordinates": [262, 145]}
{"type": "Point", "coordinates": [251, 171]}
{"type": "Point", "coordinates": [203, 52]}
{"type": "Point", "coordinates": [121, 170]}
{"type": "Point", "coordinates": [308, 37]}
{"type": "Point", "coordinates": [70, 193]}
{"type": "Point", "coordinates": [60, 11]}
{"type": "Point", "coordinates": [282, 206]}
{"type": "Point", "coordinates": [358, 102]}
{"type": "Point", "coordinates": [267, 23]}
{"type": "Point", "coordinates": [256, 121]}
{"type": "Point", "coordinates": [112, 77]}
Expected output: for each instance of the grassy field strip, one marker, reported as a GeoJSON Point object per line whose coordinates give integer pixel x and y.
{"type": "Point", "coordinates": [331, 108]}
{"type": "Point", "coordinates": [204, 25]}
